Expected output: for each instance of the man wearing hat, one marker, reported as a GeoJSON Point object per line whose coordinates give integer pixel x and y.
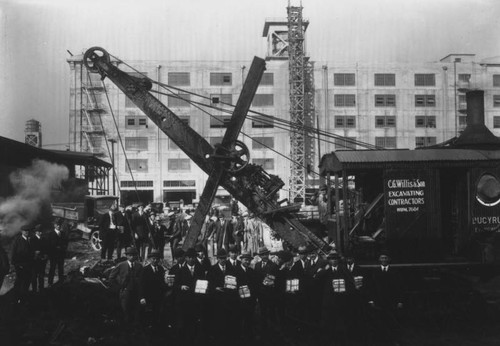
{"type": "Point", "coordinates": [336, 283]}
{"type": "Point", "coordinates": [298, 301]}
{"type": "Point", "coordinates": [171, 307]}
{"type": "Point", "coordinates": [126, 277]}
{"type": "Point", "coordinates": [22, 259]}
{"type": "Point", "coordinates": [108, 232]}
{"type": "Point", "coordinates": [152, 288]}
{"type": "Point", "coordinates": [123, 224]}
{"type": "Point", "coordinates": [57, 240]}
{"type": "Point", "coordinates": [265, 272]}
{"type": "Point", "coordinates": [233, 261]}
{"type": "Point", "coordinates": [201, 257]}
{"type": "Point", "coordinates": [247, 291]}
{"type": "Point", "coordinates": [285, 300]}
{"type": "Point", "coordinates": [40, 247]}
{"type": "Point", "coordinates": [187, 301]}
{"type": "Point", "coordinates": [223, 299]}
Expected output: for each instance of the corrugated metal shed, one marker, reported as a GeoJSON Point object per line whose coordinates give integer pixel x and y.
{"type": "Point", "coordinates": [376, 159]}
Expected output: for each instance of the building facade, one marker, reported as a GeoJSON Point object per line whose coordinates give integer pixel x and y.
{"type": "Point", "coordinates": [388, 105]}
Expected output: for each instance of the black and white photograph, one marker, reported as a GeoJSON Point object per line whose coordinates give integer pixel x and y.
{"type": "Point", "coordinates": [250, 172]}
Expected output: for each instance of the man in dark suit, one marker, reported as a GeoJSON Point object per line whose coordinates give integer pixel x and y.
{"type": "Point", "coordinates": [57, 241]}
{"type": "Point", "coordinates": [188, 302]}
{"type": "Point", "coordinates": [125, 277]}
{"type": "Point", "coordinates": [202, 257]}
{"type": "Point", "coordinates": [223, 299]}
{"type": "Point", "coordinates": [266, 272]}
{"type": "Point", "coordinates": [247, 291]}
{"type": "Point", "coordinates": [233, 261]}
{"type": "Point", "coordinates": [152, 288]}
{"type": "Point", "coordinates": [385, 296]}
{"type": "Point", "coordinates": [298, 304]}
{"type": "Point", "coordinates": [337, 284]}
{"type": "Point", "coordinates": [141, 230]}
{"type": "Point", "coordinates": [22, 259]}
{"type": "Point", "coordinates": [108, 233]}
{"type": "Point", "coordinates": [315, 294]}
{"type": "Point", "coordinates": [123, 223]}
{"type": "Point", "coordinates": [39, 246]}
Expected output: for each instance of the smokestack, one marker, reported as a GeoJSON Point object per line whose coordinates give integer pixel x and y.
{"type": "Point", "coordinates": [476, 134]}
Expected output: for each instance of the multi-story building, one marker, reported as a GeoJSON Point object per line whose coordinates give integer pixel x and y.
{"type": "Point", "coordinates": [395, 105]}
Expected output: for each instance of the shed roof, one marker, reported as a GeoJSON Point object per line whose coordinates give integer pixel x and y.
{"type": "Point", "coordinates": [373, 159]}
{"type": "Point", "coordinates": [18, 154]}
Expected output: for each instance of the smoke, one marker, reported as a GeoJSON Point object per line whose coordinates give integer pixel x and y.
{"type": "Point", "coordinates": [33, 187]}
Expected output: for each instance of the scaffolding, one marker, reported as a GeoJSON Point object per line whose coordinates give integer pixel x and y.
{"type": "Point", "coordinates": [301, 104]}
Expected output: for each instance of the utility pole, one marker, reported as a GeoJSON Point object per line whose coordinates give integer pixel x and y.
{"type": "Point", "coordinates": [113, 141]}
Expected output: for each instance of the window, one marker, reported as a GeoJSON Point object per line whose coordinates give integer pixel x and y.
{"type": "Point", "coordinates": [136, 183]}
{"type": "Point", "coordinates": [136, 143]}
{"type": "Point", "coordinates": [219, 121]}
{"type": "Point", "coordinates": [263, 143]}
{"type": "Point", "coordinates": [496, 122]}
{"type": "Point", "coordinates": [262, 122]}
{"type": "Point", "coordinates": [462, 99]}
{"type": "Point", "coordinates": [385, 79]}
{"type": "Point", "coordinates": [179, 78]}
{"type": "Point", "coordinates": [267, 164]}
{"type": "Point", "coordinates": [385, 142]}
{"type": "Point", "coordinates": [179, 183]}
{"type": "Point", "coordinates": [218, 78]}
{"type": "Point", "coordinates": [135, 122]}
{"type": "Point", "coordinates": [177, 165]}
{"type": "Point", "coordinates": [464, 77]}
{"type": "Point", "coordinates": [424, 141]}
{"type": "Point", "coordinates": [425, 121]}
{"type": "Point", "coordinates": [136, 165]}
{"type": "Point", "coordinates": [425, 100]}
{"type": "Point", "coordinates": [385, 121]}
{"type": "Point", "coordinates": [496, 100]}
{"type": "Point", "coordinates": [180, 100]}
{"type": "Point", "coordinates": [345, 121]}
{"type": "Point", "coordinates": [267, 79]}
{"type": "Point", "coordinates": [221, 99]}
{"type": "Point", "coordinates": [263, 100]}
{"type": "Point", "coordinates": [344, 79]}
{"type": "Point", "coordinates": [462, 120]}
{"type": "Point", "coordinates": [385, 100]}
{"type": "Point", "coordinates": [425, 79]}
{"type": "Point", "coordinates": [496, 80]}
{"type": "Point", "coordinates": [345, 143]}
{"type": "Point", "coordinates": [345, 100]}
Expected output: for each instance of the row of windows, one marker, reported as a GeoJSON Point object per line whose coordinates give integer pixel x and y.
{"type": "Point", "coordinates": [149, 183]}
{"type": "Point", "coordinates": [389, 79]}
{"type": "Point", "coordinates": [216, 79]}
{"type": "Point", "coordinates": [349, 121]}
{"type": "Point", "coordinates": [176, 165]}
{"type": "Point", "coordinates": [385, 142]}
{"type": "Point", "coordinates": [385, 100]}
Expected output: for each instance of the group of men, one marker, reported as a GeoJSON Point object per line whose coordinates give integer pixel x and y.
{"type": "Point", "coordinates": [31, 251]}
{"type": "Point", "coordinates": [242, 297]}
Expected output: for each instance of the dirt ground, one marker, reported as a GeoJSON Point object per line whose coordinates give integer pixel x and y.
{"type": "Point", "coordinates": [79, 312]}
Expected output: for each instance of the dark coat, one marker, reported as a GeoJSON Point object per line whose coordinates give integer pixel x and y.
{"type": "Point", "coordinates": [105, 222]}
{"type": "Point", "coordinates": [140, 225]}
{"type": "Point", "coordinates": [125, 221]}
{"type": "Point", "coordinates": [125, 278]}
{"type": "Point", "coordinates": [57, 244]}
{"type": "Point", "coordinates": [233, 268]}
{"type": "Point", "coordinates": [22, 253]}
{"type": "Point", "coordinates": [216, 277]}
{"type": "Point", "coordinates": [152, 286]}
{"type": "Point", "coordinates": [184, 278]}
{"type": "Point", "coordinates": [40, 247]}
{"type": "Point", "coordinates": [385, 288]}
{"type": "Point", "coordinates": [261, 271]}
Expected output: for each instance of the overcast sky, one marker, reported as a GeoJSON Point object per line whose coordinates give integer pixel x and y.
{"type": "Point", "coordinates": [36, 34]}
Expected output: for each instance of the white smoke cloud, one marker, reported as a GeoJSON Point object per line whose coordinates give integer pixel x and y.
{"type": "Point", "coordinates": [32, 193]}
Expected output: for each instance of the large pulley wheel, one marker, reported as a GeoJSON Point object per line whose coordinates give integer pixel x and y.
{"type": "Point", "coordinates": [92, 55]}
{"type": "Point", "coordinates": [239, 157]}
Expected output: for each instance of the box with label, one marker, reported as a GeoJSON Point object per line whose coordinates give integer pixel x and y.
{"type": "Point", "coordinates": [338, 285]}
{"type": "Point", "coordinates": [169, 280]}
{"type": "Point", "coordinates": [358, 282]}
{"type": "Point", "coordinates": [230, 282]}
{"type": "Point", "coordinates": [244, 292]}
{"type": "Point", "coordinates": [292, 285]}
{"type": "Point", "coordinates": [201, 286]}
{"type": "Point", "coordinates": [269, 280]}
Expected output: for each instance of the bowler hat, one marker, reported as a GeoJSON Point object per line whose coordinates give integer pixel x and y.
{"type": "Point", "coordinates": [262, 251]}
{"type": "Point", "coordinates": [179, 252]}
{"type": "Point", "coordinates": [303, 250]}
{"type": "Point", "coordinates": [58, 221]}
{"type": "Point", "coordinates": [333, 255]}
{"type": "Point", "coordinates": [154, 253]}
{"type": "Point", "coordinates": [131, 251]}
{"type": "Point", "coordinates": [221, 253]}
{"type": "Point", "coordinates": [246, 254]}
{"type": "Point", "coordinates": [285, 256]}
{"type": "Point", "coordinates": [233, 248]}
{"type": "Point", "coordinates": [191, 252]}
{"type": "Point", "coordinates": [27, 227]}
{"type": "Point", "coordinates": [199, 248]}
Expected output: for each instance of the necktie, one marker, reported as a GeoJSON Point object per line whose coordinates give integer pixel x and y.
{"type": "Point", "coordinates": [154, 269]}
{"type": "Point", "coordinates": [223, 269]}
{"type": "Point", "coordinates": [192, 270]}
